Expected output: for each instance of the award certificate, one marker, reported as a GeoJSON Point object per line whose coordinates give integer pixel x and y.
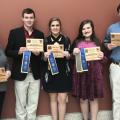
{"type": "Point", "coordinates": [92, 53]}
{"type": "Point", "coordinates": [115, 38]}
{"type": "Point", "coordinates": [34, 44]}
{"type": "Point", "coordinates": [2, 74]}
{"type": "Point", "coordinates": [57, 50]}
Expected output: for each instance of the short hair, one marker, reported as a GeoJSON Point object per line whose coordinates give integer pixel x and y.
{"type": "Point", "coordinates": [118, 8]}
{"type": "Point", "coordinates": [54, 19]}
{"type": "Point", "coordinates": [28, 11]}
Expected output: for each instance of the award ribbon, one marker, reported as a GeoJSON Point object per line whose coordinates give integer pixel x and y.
{"type": "Point", "coordinates": [78, 62]}
{"type": "Point", "coordinates": [53, 65]}
{"type": "Point", "coordinates": [83, 60]}
{"type": "Point", "coordinates": [81, 63]}
{"type": "Point", "coordinates": [25, 62]}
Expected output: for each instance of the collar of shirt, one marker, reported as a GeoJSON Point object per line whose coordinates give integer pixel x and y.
{"type": "Point", "coordinates": [27, 35]}
{"type": "Point", "coordinates": [58, 39]}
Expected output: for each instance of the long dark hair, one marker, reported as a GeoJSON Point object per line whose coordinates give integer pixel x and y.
{"type": "Point", "coordinates": [93, 37]}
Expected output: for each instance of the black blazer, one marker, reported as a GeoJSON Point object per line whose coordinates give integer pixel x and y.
{"type": "Point", "coordinates": [16, 40]}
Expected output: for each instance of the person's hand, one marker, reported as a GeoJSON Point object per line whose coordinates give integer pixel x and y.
{"type": "Point", "coordinates": [8, 74]}
{"type": "Point", "coordinates": [21, 50]}
{"type": "Point", "coordinates": [46, 55]}
{"type": "Point", "coordinates": [76, 51]}
{"type": "Point", "coordinates": [35, 52]}
{"type": "Point", "coordinates": [101, 55]}
{"type": "Point", "coordinates": [110, 46]}
{"type": "Point", "coordinates": [66, 54]}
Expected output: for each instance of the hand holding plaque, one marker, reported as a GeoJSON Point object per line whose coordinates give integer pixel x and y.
{"type": "Point", "coordinates": [3, 76]}
{"type": "Point", "coordinates": [115, 39]}
{"type": "Point", "coordinates": [33, 44]}
{"type": "Point", "coordinates": [57, 50]}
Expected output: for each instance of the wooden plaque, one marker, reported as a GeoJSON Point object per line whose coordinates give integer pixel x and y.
{"type": "Point", "coordinates": [57, 50]}
{"type": "Point", "coordinates": [115, 38]}
{"type": "Point", "coordinates": [92, 53]}
{"type": "Point", "coordinates": [2, 74]}
{"type": "Point", "coordinates": [34, 44]}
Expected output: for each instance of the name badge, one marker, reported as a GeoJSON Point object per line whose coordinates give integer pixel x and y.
{"type": "Point", "coordinates": [53, 65]}
{"type": "Point", "coordinates": [25, 62]}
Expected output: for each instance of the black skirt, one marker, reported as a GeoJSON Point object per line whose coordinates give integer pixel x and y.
{"type": "Point", "coordinates": [61, 82]}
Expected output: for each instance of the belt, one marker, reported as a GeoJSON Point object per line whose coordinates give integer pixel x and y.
{"type": "Point", "coordinates": [117, 63]}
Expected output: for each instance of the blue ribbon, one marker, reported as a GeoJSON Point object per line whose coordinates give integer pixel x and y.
{"type": "Point", "coordinates": [83, 60]}
{"type": "Point", "coordinates": [25, 62]}
{"type": "Point", "coordinates": [53, 65]}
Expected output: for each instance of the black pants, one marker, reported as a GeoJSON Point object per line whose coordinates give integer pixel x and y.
{"type": "Point", "coordinates": [2, 96]}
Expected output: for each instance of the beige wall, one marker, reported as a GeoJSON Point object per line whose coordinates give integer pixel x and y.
{"type": "Point", "coordinates": [71, 12]}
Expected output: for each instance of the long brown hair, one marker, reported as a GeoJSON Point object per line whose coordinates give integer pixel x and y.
{"type": "Point", "coordinates": [93, 37]}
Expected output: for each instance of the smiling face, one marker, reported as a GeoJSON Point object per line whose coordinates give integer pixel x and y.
{"type": "Point", "coordinates": [55, 28]}
{"type": "Point", "coordinates": [28, 20]}
{"type": "Point", "coordinates": [87, 30]}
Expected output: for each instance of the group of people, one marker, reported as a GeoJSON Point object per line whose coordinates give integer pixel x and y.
{"type": "Point", "coordinates": [87, 86]}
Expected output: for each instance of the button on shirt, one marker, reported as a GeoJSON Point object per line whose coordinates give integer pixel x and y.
{"type": "Point", "coordinates": [114, 28]}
